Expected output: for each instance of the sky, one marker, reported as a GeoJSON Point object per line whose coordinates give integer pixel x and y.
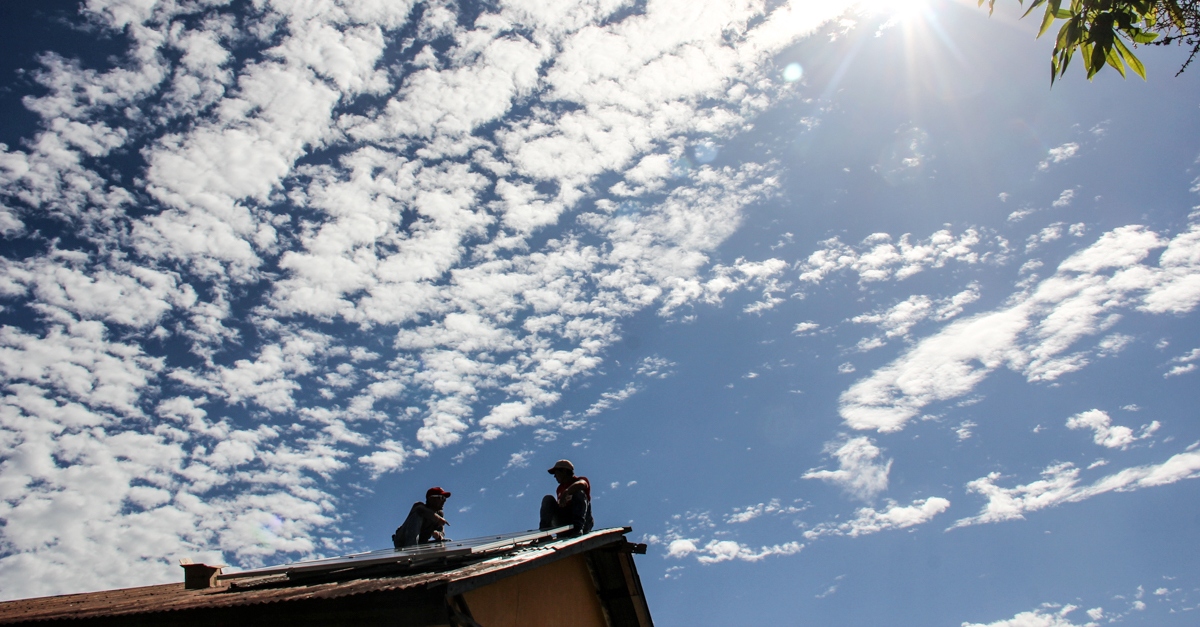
{"type": "Point", "coordinates": [848, 313]}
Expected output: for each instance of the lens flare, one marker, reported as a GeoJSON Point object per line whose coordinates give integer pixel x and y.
{"type": "Point", "coordinates": [793, 72]}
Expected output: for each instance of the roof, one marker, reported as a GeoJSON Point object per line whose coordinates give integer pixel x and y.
{"type": "Point", "coordinates": [455, 574]}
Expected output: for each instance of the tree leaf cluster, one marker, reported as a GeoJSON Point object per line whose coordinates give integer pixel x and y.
{"type": "Point", "coordinates": [1101, 32]}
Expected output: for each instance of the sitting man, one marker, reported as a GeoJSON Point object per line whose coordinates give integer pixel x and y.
{"type": "Point", "coordinates": [425, 521]}
{"type": "Point", "coordinates": [573, 505]}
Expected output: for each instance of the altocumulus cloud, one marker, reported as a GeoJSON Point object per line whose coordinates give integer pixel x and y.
{"type": "Point", "coordinates": [302, 236]}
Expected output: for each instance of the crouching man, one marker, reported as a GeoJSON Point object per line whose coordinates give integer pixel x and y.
{"type": "Point", "coordinates": [573, 505]}
{"type": "Point", "coordinates": [425, 521]}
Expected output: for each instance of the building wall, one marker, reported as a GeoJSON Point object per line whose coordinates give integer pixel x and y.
{"type": "Point", "coordinates": [557, 594]}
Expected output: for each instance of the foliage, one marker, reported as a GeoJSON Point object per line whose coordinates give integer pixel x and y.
{"type": "Point", "coordinates": [1099, 29]}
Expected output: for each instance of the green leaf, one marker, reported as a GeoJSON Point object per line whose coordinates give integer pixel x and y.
{"type": "Point", "coordinates": [1068, 36]}
{"type": "Point", "coordinates": [1094, 59]}
{"type": "Point", "coordinates": [1141, 37]}
{"type": "Point", "coordinates": [1132, 60]}
{"type": "Point", "coordinates": [1085, 50]}
{"type": "Point", "coordinates": [1046, 21]}
{"type": "Point", "coordinates": [1033, 5]}
{"type": "Point", "coordinates": [1113, 58]}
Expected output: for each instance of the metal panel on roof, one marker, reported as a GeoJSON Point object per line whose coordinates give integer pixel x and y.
{"type": "Point", "coordinates": [420, 553]}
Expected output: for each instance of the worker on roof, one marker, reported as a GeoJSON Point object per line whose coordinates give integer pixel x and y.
{"type": "Point", "coordinates": [573, 505]}
{"type": "Point", "coordinates": [425, 521]}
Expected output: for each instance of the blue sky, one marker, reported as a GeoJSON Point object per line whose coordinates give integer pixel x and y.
{"type": "Point", "coordinates": [841, 307]}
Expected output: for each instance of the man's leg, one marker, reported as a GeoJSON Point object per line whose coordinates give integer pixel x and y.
{"type": "Point", "coordinates": [576, 512]}
{"type": "Point", "coordinates": [549, 513]}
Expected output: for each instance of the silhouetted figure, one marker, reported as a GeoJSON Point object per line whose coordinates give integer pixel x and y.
{"type": "Point", "coordinates": [425, 521]}
{"type": "Point", "coordinates": [573, 505]}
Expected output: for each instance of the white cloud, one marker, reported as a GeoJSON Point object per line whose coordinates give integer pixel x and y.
{"type": "Point", "coordinates": [1020, 214]}
{"type": "Point", "coordinates": [1064, 198]}
{"type": "Point", "coordinates": [519, 460]}
{"type": "Point", "coordinates": [681, 547]}
{"type": "Point", "coordinates": [1047, 234]}
{"type": "Point", "coordinates": [1046, 616]}
{"type": "Point", "coordinates": [1036, 332]}
{"type": "Point", "coordinates": [1105, 433]}
{"type": "Point", "coordinates": [868, 520]}
{"type": "Point", "coordinates": [79, 365]}
{"type": "Point", "coordinates": [954, 305]}
{"type": "Point", "coordinates": [1178, 370]}
{"type": "Point", "coordinates": [1060, 484]}
{"type": "Point", "coordinates": [505, 416]}
{"type": "Point", "coordinates": [861, 470]}
{"type": "Point", "coordinates": [805, 328]}
{"type": "Point", "coordinates": [750, 512]}
{"type": "Point", "coordinates": [831, 590]}
{"type": "Point", "coordinates": [717, 551]}
{"type": "Point", "coordinates": [608, 400]}
{"type": "Point", "coordinates": [655, 367]}
{"type": "Point", "coordinates": [269, 380]}
{"type": "Point", "coordinates": [1183, 364]}
{"type": "Point", "coordinates": [123, 293]}
{"type": "Point", "coordinates": [876, 258]}
{"type": "Point", "coordinates": [1112, 344]}
{"type": "Point", "coordinates": [898, 320]}
{"type": "Point", "coordinates": [1059, 154]}
{"type": "Point", "coordinates": [189, 486]}
{"type": "Point", "coordinates": [389, 456]}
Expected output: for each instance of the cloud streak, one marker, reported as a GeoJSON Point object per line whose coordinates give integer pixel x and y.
{"type": "Point", "coordinates": [1062, 483]}
{"type": "Point", "coordinates": [1037, 332]}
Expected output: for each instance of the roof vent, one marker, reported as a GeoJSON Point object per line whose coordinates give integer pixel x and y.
{"type": "Point", "coordinates": [199, 576]}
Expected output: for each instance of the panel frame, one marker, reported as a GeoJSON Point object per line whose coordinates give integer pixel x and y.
{"type": "Point", "coordinates": [407, 555]}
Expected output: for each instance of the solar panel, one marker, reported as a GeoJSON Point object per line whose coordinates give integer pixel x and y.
{"type": "Point", "coordinates": [407, 555]}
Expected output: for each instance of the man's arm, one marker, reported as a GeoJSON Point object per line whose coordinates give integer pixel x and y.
{"type": "Point", "coordinates": [430, 515]}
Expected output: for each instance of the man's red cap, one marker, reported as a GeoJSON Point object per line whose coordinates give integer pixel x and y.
{"type": "Point", "coordinates": [436, 491]}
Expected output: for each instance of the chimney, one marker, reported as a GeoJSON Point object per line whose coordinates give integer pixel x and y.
{"type": "Point", "coordinates": [199, 576]}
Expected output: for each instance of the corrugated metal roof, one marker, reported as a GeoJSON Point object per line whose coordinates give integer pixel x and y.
{"type": "Point", "coordinates": [280, 589]}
